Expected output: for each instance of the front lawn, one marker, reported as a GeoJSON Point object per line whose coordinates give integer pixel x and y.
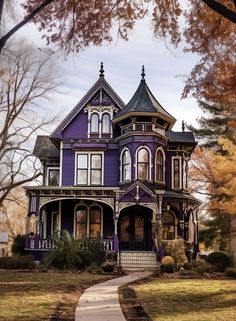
{"type": "Point", "coordinates": [28, 296]}
{"type": "Point", "coordinates": [188, 300]}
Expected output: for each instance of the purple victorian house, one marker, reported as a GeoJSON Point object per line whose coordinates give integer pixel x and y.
{"type": "Point", "coordinates": [117, 173]}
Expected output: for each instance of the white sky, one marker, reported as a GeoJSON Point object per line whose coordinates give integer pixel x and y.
{"type": "Point", "coordinates": [122, 64]}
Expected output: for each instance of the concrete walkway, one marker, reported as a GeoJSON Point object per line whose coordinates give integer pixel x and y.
{"type": "Point", "coordinates": [100, 302]}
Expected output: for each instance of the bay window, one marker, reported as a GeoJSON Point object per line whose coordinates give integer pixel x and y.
{"type": "Point", "coordinates": [125, 165]}
{"type": "Point", "coordinates": [176, 172]}
{"type": "Point", "coordinates": [160, 166]}
{"type": "Point", "coordinates": [143, 164]}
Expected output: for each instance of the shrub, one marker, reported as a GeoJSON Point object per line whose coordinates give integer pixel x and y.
{"type": "Point", "coordinates": [66, 253]}
{"type": "Point", "coordinates": [176, 249]}
{"type": "Point", "coordinates": [93, 251]}
{"type": "Point", "coordinates": [17, 262]}
{"type": "Point", "coordinates": [219, 260]}
{"type": "Point", "coordinates": [18, 246]}
{"type": "Point", "coordinates": [167, 264]}
{"type": "Point", "coordinates": [231, 273]}
{"type": "Point", "coordinates": [108, 267]}
{"type": "Point", "coordinates": [201, 266]}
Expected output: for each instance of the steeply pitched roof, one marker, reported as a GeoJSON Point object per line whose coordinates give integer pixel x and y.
{"type": "Point", "coordinates": [100, 85]}
{"type": "Point", "coordinates": [180, 137]}
{"type": "Point", "coordinates": [44, 148]}
{"type": "Point", "coordinates": [143, 101]}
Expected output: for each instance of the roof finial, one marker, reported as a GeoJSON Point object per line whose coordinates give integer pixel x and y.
{"type": "Point", "coordinates": [143, 73]}
{"type": "Point", "coordinates": [183, 126]}
{"type": "Point", "coordinates": [101, 70]}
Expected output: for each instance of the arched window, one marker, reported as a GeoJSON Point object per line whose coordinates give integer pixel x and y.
{"type": "Point", "coordinates": [81, 222]}
{"type": "Point", "coordinates": [143, 164]}
{"type": "Point", "coordinates": [126, 166]}
{"type": "Point", "coordinates": [168, 226]}
{"type": "Point", "coordinates": [106, 123]}
{"type": "Point", "coordinates": [94, 123]}
{"type": "Point", "coordinates": [159, 166]}
{"type": "Point", "coordinates": [95, 222]}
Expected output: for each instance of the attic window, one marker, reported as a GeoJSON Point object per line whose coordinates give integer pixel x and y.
{"type": "Point", "coordinates": [95, 123]}
{"type": "Point", "coordinates": [53, 176]}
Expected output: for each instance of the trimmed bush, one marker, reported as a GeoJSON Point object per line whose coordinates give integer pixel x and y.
{"type": "Point", "coordinates": [231, 273]}
{"type": "Point", "coordinates": [167, 264]}
{"type": "Point", "coordinates": [17, 262]}
{"type": "Point", "coordinates": [219, 260]}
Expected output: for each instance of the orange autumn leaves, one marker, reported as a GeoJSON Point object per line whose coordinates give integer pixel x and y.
{"type": "Point", "coordinates": [213, 173]}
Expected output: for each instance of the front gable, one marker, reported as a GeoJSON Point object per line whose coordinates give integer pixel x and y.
{"type": "Point", "coordinates": [138, 193]}
{"type": "Point", "coordinates": [75, 125]}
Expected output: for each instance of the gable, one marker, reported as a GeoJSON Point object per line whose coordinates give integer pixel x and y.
{"type": "Point", "coordinates": [101, 94]}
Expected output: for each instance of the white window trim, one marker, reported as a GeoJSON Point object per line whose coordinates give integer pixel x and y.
{"type": "Point", "coordinates": [121, 165]}
{"type": "Point", "coordinates": [88, 217]}
{"type": "Point", "coordinates": [164, 165]}
{"type": "Point", "coordinates": [89, 166]}
{"type": "Point", "coordinates": [47, 175]}
{"type": "Point", "coordinates": [173, 158]}
{"type": "Point", "coordinates": [150, 161]}
{"type": "Point", "coordinates": [100, 111]}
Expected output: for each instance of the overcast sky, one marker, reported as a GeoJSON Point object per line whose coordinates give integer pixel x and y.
{"type": "Point", "coordinates": [122, 63]}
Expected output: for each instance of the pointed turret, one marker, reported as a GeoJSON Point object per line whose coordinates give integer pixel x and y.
{"type": "Point", "coordinates": [143, 103]}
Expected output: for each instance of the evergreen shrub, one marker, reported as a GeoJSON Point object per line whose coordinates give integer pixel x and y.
{"type": "Point", "coordinates": [17, 262]}
{"type": "Point", "coordinates": [18, 246]}
{"type": "Point", "coordinates": [219, 260]}
{"type": "Point", "coordinates": [176, 249]}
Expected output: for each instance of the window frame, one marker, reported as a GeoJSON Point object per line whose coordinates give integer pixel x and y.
{"type": "Point", "coordinates": [149, 163]}
{"type": "Point", "coordinates": [173, 159]}
{"type": "Point", "coordinates": [102, 127]}
{"type": "Point", "coordinates": [174, 225]}
{"type": "Point", "coordinates": [160, 149]}
{"type": "Point", "coordinates": [98, 121]}
{"type": "Point", "coordinates": [88, 207]}
{"type": "Point", "coordinates": [122, 165]}
{"type": "Point", "coordinates": [89, 169]}
{"type": "Point", "coordinates": [49, 168]}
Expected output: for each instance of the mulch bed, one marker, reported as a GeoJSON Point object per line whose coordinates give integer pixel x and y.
{"type": "Point", "coordinates": [131, 307]}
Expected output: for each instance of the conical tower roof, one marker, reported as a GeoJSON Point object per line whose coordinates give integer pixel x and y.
{"type": "Point", "coordinates": [143, 102]}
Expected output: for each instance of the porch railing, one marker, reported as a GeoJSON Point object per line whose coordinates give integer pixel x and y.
{"type": "Point", "coordinates": [47, 244]}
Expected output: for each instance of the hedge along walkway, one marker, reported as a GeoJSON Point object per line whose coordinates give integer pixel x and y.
{"type": "Point", "coordinates": [101, 302]}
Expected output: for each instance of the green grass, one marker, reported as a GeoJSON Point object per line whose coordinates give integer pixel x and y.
{"type": "Point", "coordinates": [188, 300]}
{"type": "Point", "coordinates": [28, 296]}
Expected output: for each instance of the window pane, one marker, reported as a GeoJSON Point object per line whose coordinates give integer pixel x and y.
{"type": "Point", "coordinates": [96, 177]}
{"type": "Point", "coordinates": [82, 161]}
{"type": "Point", "coordinates": [82, 176]}
{"type": "Point", "coordinates": [53, 179]}
{"type": "Point", "coordinates": [176, 173]}
{"type": "Point", "coordinates": [96, 161]}
{"type": "Point", "coordinates": [139, 235]}
{"type": "Point", "coordinates": [106, 123]}
{"type": "Point", "coordinates": [126, 172]}
{"type": "Point", "coordinates": [143, 171]}
{"type": "Point", "coordinates": [95, 223]}
{"type": "Point", "coordinates": [168, 226]}
{"type": "Point", "coordinates": [124, 228]}
{"type": "Point", "coordinates": [143, 155]}
{"type": "Point", "coordinates": [94, 123]}
{"type": "Point", "coordinates": [81, 226]}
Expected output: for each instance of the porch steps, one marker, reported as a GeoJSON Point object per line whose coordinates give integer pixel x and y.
{"type": "Point", "coordinates": [137, 260]}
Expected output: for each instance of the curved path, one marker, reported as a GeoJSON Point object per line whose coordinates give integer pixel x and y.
{"type": "Point", "coordinates": [100, 302]}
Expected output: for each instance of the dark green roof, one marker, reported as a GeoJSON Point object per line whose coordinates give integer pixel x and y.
{"type": "Point", "coordinates": [143, 101]}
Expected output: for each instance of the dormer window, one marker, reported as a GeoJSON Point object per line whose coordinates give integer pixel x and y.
{"type": "Point", "coordinates": [94, 123]}
{"type": "Point", "coordinates": [106, 123]}
{"type": "Point", "coordinates": [143, 164]}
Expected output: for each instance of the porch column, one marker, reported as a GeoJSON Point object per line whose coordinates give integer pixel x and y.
{"type": "Point", "coordinates": [158, 229]}
{"type": "Point", "coordinates": [116, 240]}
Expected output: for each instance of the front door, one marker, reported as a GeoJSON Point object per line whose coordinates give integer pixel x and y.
{"type": "Point", "coordinates": [135, 229]}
